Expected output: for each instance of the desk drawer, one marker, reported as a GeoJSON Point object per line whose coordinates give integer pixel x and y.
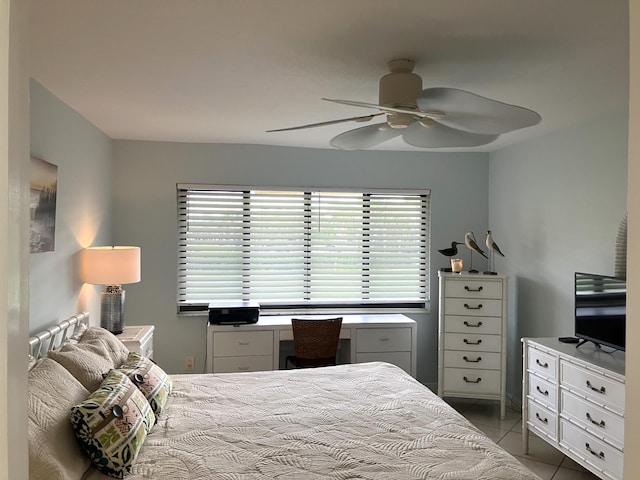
{"type": "Point", "coordinates": [242, 343]}
{"type": "Point", "coordinates": [251, 363]}
{"type": "Point", "coordinates": [399, 359]}
{"type": "Point", "coordinates": [473, 307]}
{"type": "Point", "coordinates": [383, 340]}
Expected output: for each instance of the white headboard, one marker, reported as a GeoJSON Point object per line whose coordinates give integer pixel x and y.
{"type": "Point", "coordinates": [54, 336]}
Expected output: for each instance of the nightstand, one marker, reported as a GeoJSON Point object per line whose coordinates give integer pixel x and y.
{"type": "Point", "coordinates": [139, 339]}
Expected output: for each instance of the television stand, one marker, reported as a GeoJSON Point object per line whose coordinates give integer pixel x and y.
{"type": "Point", "coordinates": [574, 399]}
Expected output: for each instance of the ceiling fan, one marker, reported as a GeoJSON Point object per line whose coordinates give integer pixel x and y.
{"type": "Point", "coordinates": [431, 118]}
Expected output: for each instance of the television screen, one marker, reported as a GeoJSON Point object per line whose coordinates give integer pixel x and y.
{"type": "Point", "coordinates": [600, 309]}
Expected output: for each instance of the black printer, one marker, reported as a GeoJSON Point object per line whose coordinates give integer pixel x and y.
{"type": "Point", "coordinates": [233, 313]}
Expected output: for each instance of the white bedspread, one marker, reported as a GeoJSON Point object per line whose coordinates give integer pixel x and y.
{"type": "Point", "coordinates": [366, 421]}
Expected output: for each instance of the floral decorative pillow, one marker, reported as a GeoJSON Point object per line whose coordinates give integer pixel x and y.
{"type": "Point", "coordinates": [149, 378]}
{"type": "Point", "coordinates": [112, 424]}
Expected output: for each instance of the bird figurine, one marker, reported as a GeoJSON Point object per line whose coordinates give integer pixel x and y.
{"type": "Point", "coordinates": [470, 242]}
{"type": "Point", "coordinates": [493, 249]}
{"type": "Point", "coordinates": [451, 251]}
{"type": "Point", "coordinates": [491, 245]}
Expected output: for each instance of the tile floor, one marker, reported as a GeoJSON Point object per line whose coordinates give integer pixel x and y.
{"type": "Point", "coordinates": [544, 460]}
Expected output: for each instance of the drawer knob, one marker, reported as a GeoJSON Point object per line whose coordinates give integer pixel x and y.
{"type": "Point", "coordinates": [467, 324]}
{"type": "Point", "coordinates": [466, 305]}
{"type": "Point", "coordinates": [477, 380]}
{"type": "Point", "coordinates": [593, 452]}
{"type": "Point", "coordinates": [466, 359]}
{"type": "Point", "coordinates": [544, 392]}
{"type": "Point", "coordinates": [543, 420]}
{"type": "Point", "coordinates": [468, 342]}
{"type": "Point", "coordinates": [601, 390]}
{"type": "Point", "coordinates": [469, 289]}
{"type": "Point", "coordinates": [543, 365]}
{"type": "Point", "coordinates": [600, 424]}
{"type": "Point", "coordinates": [243, 342]}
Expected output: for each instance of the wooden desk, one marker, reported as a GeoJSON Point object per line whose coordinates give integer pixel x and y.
{"type": "Point", "coordinates": [364, 338]}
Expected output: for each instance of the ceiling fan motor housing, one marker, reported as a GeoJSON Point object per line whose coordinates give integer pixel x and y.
{"type": "Point", "coordinates": [400, 89]}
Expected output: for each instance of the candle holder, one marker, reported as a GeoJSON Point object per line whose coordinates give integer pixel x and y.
{"type": "Point", "coordinates": [456, 265]}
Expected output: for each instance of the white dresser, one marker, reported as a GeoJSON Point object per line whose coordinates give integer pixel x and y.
{"type": "Point", "coordinates": [472, 336]}
{"type": "Point", "coordinates": [574, 399]}
{"type": "Point", "coordinates": [364, 338]}
{"type": "Point", "coordinates": [138, 338]}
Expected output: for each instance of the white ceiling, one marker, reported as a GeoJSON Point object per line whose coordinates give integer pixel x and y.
{"type": "Point", "coordinates": [224, 71]}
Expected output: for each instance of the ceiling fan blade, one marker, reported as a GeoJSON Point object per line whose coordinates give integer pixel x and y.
{"type": "Point", "coordinates": [364, 118]}
{"type": "Point", "coordinates": [364, 137]}
{"type": "Point", "coordinates": [473, 113]}
{"type": "Point", "coordinates": [441, 136]}
{"type": "Point", "coordinates": [417, 113]}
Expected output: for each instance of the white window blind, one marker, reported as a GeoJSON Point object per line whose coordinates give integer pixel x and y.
{"type": "Point", "coordinates": [302, 248]}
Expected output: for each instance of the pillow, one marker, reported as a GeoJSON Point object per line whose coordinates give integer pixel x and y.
{"type": "Point", "coordinates": [114, 347]}
{"type": "Point", "coordinates": [112, 424]}
{"type": "Point", "coordinates": [86, 362]}
{"type": "Point", "coordinates": [53, 449]}
{"type": "Point", "coordinates": [149, 378]}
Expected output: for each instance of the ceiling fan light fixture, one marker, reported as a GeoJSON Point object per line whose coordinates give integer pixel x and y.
{"type": "Point", "coordinates": [399, 120]}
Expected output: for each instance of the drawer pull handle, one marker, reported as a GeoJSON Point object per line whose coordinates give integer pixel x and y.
{"type": "Point", "coordinates": [467, 324]}
{"type": "Point", "coordinates": [466, 305]}
{"type": "Point", "coordinates": [478, 342]}
{"type": "Point", "coordinates": [543, 365]}
{"type": "Point", "coordinates": [543, 420]}
{"type": "Point", "coordinates": [600, 424]}
{"type": "Point", "coordinates": [243, 369]}
{"type": "Point", "coordinates": [593, 452]}
{"type": "Point", "coordinates": [544, 392]}
{"type": "Point", "coordinates": [601, 390]}
{"type": "Point", "coordinates": [478, 380]}
{"type": "Point", "coordinates": [384, 339]}
{"type": "Point", "coordinates": [243, 342]}
{"type": "Point", "coordinates": [466, 359]}
{"type": "Point", "coordinates": [469, 289]}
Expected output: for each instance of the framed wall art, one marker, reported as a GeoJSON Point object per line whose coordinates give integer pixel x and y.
{"type": "Point", "coordinates": [42, 205]}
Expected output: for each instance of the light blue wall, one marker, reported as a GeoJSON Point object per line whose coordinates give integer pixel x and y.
{"type": "Point", "coordinates": [145, 178]}
{"type": "Point", "coordinates": [83, 212]}
{"type": "Point", "coordinates": [555, 205]}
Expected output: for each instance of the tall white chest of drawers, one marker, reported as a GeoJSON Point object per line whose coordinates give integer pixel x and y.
{"type": "Point", "coordinates": [472, 336]}
{"type": "Point", "coordinates": [574, 398]}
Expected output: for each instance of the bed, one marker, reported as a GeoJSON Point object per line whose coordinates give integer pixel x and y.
{"type": "Point", "coordinates": [364, 421]}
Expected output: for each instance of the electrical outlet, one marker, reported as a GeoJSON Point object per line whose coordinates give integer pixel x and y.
{"type": "Point", "coordinates": [189, 363]}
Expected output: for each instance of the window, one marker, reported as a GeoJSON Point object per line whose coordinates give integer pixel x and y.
{"type": "Point", "coordinates": [302, 249]}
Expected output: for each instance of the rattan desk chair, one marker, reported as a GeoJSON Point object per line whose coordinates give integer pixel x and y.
{"type": "Point", "coordinates": [315, 342]}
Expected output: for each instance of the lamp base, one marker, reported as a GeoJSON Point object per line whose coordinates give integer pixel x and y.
{"type": "Point", "coordinates": [112, 309]}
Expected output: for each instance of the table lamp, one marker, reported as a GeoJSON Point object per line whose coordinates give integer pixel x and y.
{"type": "Point", "coordinates": [111, 267]}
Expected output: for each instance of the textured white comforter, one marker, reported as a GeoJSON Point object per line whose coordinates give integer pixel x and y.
{"type": "Point", "coordinates": [365, 421]}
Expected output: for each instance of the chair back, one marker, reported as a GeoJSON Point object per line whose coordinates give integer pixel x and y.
{"type": "Point", "coordinates": [316, 341]}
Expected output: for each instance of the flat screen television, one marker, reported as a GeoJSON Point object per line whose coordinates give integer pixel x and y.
{"type": "Point", "coordinates": [600, 309]}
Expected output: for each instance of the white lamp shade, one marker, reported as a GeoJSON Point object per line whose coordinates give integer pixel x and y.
{"type": "Point", "coordinates": [111, 265]}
